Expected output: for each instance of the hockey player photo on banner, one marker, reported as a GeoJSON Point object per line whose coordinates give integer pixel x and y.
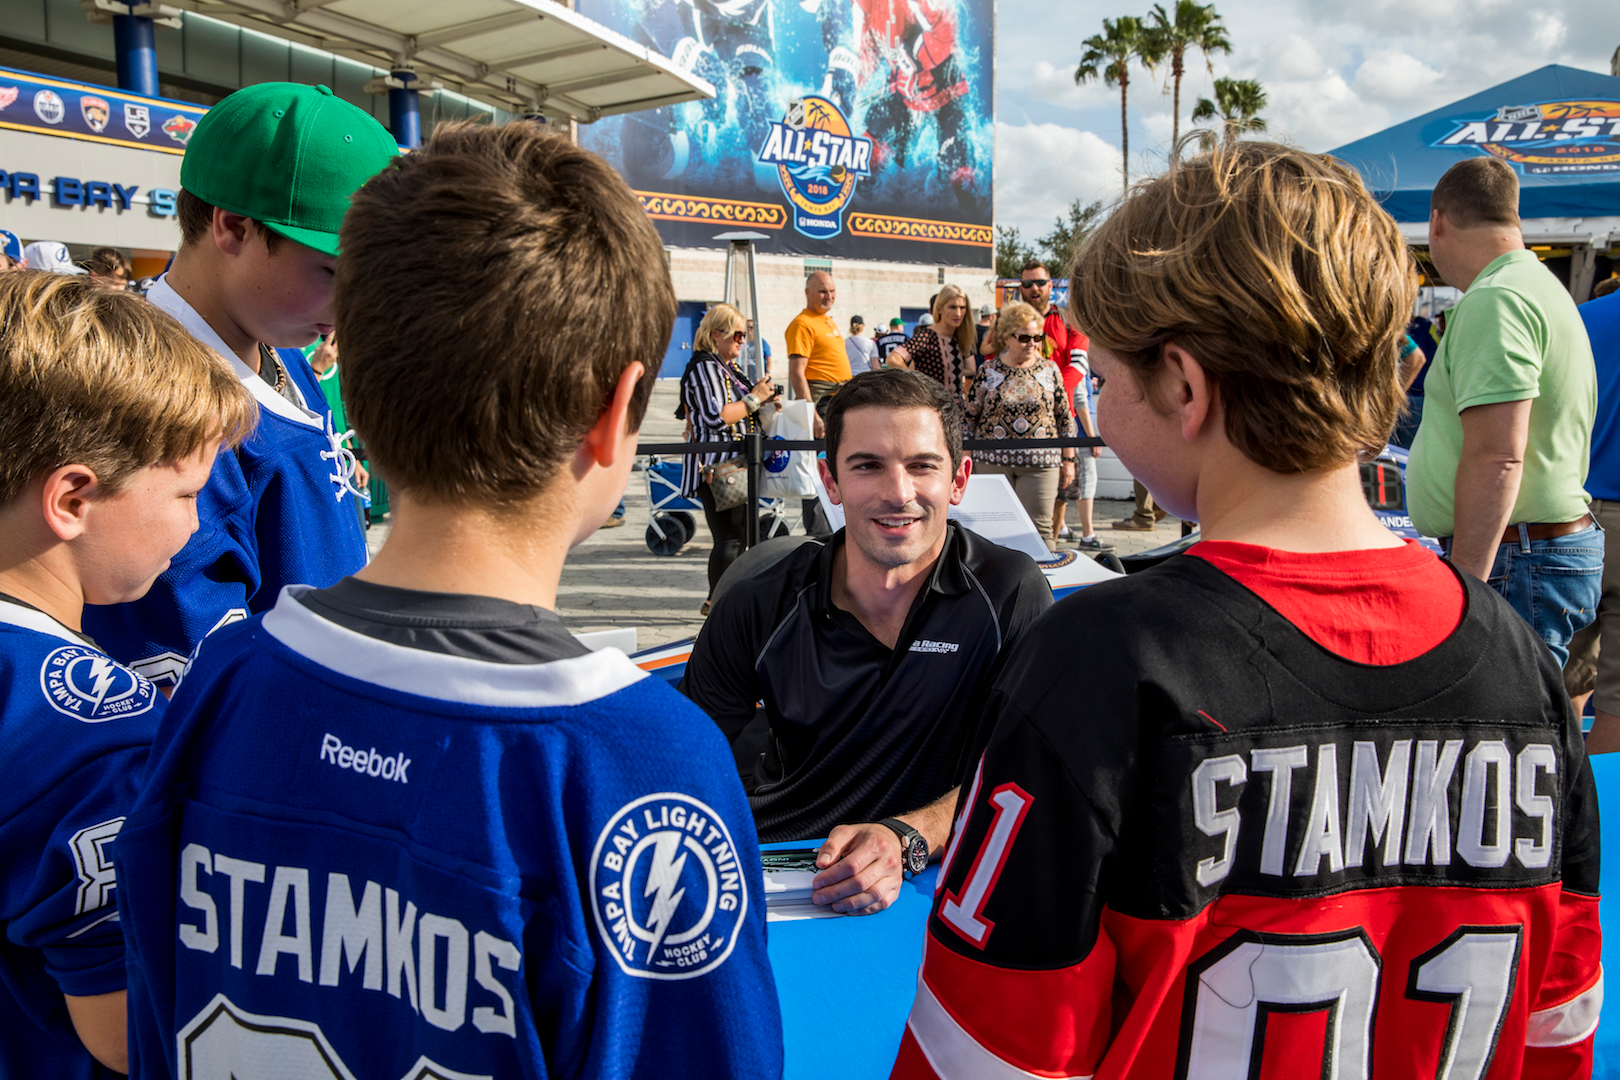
{"type": "Point", "coordinates": [855, 128]}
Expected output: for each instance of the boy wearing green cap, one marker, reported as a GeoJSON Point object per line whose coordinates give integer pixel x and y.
{"type": "Point", "coordinates": [265, 183]}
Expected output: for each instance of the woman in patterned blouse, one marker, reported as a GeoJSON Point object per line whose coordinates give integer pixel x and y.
{"type": "Point", "coordinates": [1019, 395]}
{"type": "Point", "coordinates": [947, 351]}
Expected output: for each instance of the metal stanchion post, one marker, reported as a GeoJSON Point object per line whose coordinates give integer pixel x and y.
{"type": "Point", "coordinates": [754, 457]}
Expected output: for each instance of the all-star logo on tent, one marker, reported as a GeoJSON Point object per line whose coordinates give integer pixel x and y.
{"type": "Point", "coordinates": [1547, 137]}
{"type": "Point", "coordinates": [179, 128]}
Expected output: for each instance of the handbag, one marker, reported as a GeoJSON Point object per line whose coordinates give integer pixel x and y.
{"type": "Point", "coordinates": [728, 483]}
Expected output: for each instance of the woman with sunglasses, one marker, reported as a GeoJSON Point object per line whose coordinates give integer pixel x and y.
{"type": "Point", "coordinates": [1019, 394]}
{"type": "Point", "coordinates": [946, 351]}
{"type": "Point", "coordinates": [719, 406]}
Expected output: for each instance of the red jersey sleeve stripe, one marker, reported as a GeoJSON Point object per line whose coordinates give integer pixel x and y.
{"type": "Point", "coordinates": [953, 1054]}
{"type": "Point", "coordinates": [1051, 1023]}
{"type": "Point", "coordinates": [1569, 1023]}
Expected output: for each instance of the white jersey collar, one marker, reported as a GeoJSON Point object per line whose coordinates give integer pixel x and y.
{"type": "Point", "coordinates": [30, 619]}
{"type": "Point", "coordinates": [557, 684]}
{"type": "Point", "coordinates": [162, 295]}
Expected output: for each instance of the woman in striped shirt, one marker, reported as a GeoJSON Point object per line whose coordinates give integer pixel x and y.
{"type": "Point", "coordinates": [720, 406]}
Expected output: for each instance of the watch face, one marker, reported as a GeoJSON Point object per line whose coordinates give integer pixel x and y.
{"type": "Point", "coordinates": [916, 855]}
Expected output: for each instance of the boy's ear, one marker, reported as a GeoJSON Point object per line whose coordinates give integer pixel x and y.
{"type": "Point", "coordinates": [604, 439]}
{"type": "Point", "coordinates": [230, 231]}
{"type": "Point", "coordinates": [66, 497]}
{"type": "Point", "coordinates": [1192, 394]}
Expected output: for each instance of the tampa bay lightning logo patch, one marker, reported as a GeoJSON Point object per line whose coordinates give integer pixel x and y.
{"type": "Point", "coordinates": [669, 893]}
{"type": "Point", "coordinates": [85, 685]}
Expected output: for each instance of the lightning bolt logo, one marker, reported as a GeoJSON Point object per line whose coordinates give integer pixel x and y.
{"type": "Point", "coordinates": [662, 878]}
{"type": "Point", "coordinates": [102, 675]}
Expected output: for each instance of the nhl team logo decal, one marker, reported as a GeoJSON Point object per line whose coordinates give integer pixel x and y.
{"type": "Point", "coordinates": [95, 111]}
{"type": "Point", "coordinates": [818, 159]}
{"type": "Point", "coordinates": [179, 128]}
{"type": "Point", "coordinates": [1545, 138]}
{"type": "Point", "coordinates": [48, 106]}
{"type": "Point", "coordinates": [8, 95]}
{"type": "Point", "coordinates": [137, 119]}
{"type": "Point", "coordinates": [669, 893]}
{"type": "Point", "coordinates": [84, 684]}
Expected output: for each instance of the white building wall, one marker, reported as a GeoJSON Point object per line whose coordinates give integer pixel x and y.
{"type": "Point", "coordinates": [875, 290]}
{"type": "Point", "coordinates": [51, 156]}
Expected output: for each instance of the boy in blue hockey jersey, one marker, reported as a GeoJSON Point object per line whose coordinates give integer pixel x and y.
{"type": "Point", "coordinates": [406, 826]}
{"type": "Point", "coordinates": [112, 417]}
{"type": "Point", "coordinates": [265, 182]}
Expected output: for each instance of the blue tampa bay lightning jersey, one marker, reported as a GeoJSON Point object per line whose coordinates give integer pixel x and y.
{"type": "Point", "coordinates": [277, 511]}
{"type": "Point", "coordinates": [75, 728]}
{"type": "Point", "coordinates": [354, 858]}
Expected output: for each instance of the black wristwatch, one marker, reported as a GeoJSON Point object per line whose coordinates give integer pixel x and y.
{"type": "Point", "coordinates": [913, 848]}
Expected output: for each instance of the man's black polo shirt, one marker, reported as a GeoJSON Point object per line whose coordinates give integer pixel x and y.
{"type": "Point", "coordinates": [858, 731]}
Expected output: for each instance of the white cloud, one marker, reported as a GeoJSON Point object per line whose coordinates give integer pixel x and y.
{"type": "Point", "coordinates": [1056, 85]}
{"type": "Point", "coordinates": [1042, 168]}
{"type": "Point", "coordinates": [1396, 78]}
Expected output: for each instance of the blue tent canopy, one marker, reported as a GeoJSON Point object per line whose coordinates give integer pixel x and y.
{"type": "Point", "coordinates": [1558, 126]}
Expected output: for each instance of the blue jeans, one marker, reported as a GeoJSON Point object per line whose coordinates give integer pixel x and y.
{"type": "Point", "coordinates": [1555, 584]}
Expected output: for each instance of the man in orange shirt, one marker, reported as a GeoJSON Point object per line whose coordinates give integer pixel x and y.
{"type": "Point", "coordinates": [817, 366]}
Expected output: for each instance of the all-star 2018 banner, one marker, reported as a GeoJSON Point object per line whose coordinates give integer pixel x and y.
{"type": "Point", "coordinates": [1543, 138]}
{"type": "Point", "coordinates": [847, 128]}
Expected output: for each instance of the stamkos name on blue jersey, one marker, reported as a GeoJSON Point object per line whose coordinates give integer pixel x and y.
{"type": "Point", "coordinates": [412, 955]}
{"type": "Point", "coordinates": [1403, 803]}
{"type": "Point", "coordinates": [813, 146]}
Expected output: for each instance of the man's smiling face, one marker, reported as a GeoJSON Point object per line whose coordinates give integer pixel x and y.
{"type": "Point", "coordinates": [895, 483]}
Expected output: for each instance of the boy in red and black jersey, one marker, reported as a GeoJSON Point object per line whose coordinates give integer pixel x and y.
{"type": "Point", "coordinates": [1324, 807]}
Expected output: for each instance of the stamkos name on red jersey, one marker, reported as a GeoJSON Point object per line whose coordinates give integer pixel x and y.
{"type": "Point", "coordinates": [1372, 802]}
{"type": "Point", "coordinates": [368, 934]}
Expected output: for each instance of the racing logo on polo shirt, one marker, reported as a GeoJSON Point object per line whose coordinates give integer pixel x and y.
{"type": "Point", "coordinates": [668, 891]}
{"type": "Point", "coordinates": [1545, 138]}
{"type": "Point", "coordinates": [84, 684]}
{"type": "Point", "coordinates": [818, 158]}
{"type": "Point", "coordinates": [48, 106]}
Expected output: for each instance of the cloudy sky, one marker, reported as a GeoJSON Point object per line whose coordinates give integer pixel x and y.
{"type": "Point", "coordinates": [1335, 71]}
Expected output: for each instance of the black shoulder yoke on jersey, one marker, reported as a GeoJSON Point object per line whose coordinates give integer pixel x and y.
{"type": "Point", "coordinates": [1218, 750]}
{"type": "Point", "coordinates": [858, 731]}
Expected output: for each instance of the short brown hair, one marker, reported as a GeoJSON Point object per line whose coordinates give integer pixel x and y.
{"type": "Point", "coordinates": [1031, 264]}
{"type": "Point", "coordinates": [1010, 319]}
{"type": "Point", "coordinates": [197, 222]}
{"type": "Point", "coordinates": [103, 379]}
{"type": "Point", "coordinates": [1278, 271]}
{"type": "Point", "coordinates": [1478, 191]}
{"type": "Point", "coordinates": [109, 261]}
{"type": "Point", "coordinates": [893, 388]}
{"type": "Point", "coordinates": [494, 285]}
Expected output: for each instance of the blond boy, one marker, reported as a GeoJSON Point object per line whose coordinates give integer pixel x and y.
{"type": "Point", "coordinates": [112, 418]}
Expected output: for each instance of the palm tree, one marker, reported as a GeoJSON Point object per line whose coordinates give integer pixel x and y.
{"type": "Point", "coordinates": [1194, 26]}
{"type": "Point", "coordinates": [1238, 103]}
{"type": "Point", "coordinates": [1108, 55]}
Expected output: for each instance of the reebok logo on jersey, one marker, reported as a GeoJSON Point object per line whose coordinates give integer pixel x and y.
{"type": "Point", "coordinates": [924, 645]}
{"type": "Point", "coordinates": [369, 762]}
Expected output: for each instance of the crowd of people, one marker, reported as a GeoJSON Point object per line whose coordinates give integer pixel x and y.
{"type": "Point", "coordinates": [276, 809]}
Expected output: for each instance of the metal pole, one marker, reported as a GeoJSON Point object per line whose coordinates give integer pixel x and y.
{"type": "Point", "coordinates": [754, 457]}
{"type": "Point", "coordinates": [135, 43]}
{"type": "Point", "coordinates": [753, 313]}
{"type": "Point", "coordinates": [405, 110]}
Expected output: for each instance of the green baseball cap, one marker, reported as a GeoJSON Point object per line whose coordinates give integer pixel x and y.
{"type": "Point", "coordinates": [288, 156]}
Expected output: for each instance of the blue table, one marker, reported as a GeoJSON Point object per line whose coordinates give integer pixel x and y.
{"type": "Point", "coordinates": [846, 984]}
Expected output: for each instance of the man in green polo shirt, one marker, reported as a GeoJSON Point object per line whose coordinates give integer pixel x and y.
{"type": "Point", "coordinates": [1499, 462]}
